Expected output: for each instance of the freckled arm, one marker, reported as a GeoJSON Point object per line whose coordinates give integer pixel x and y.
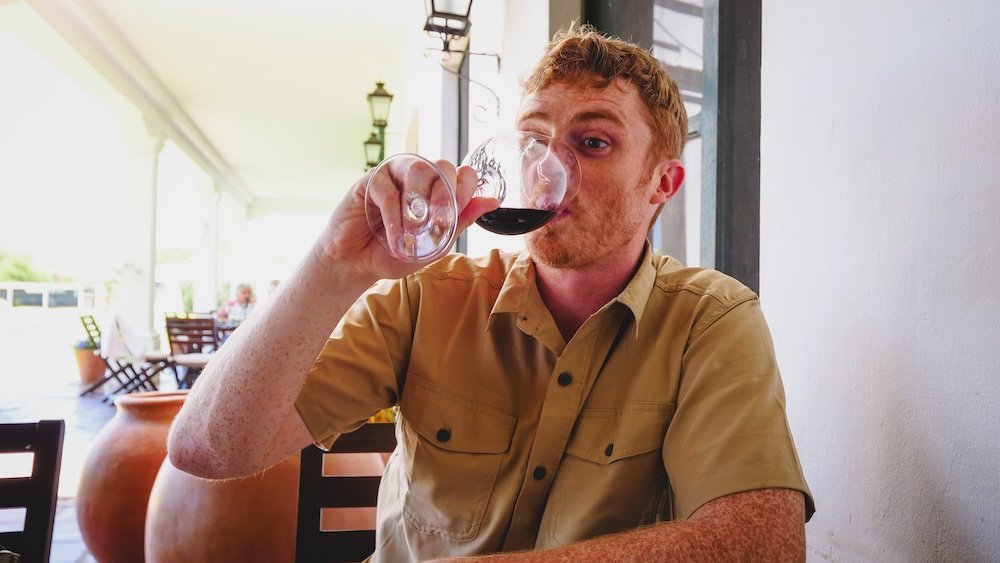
{"type": "Point", "coordinates": [761, 525]}
{"type": "Point", "coordinates": [240, 417]}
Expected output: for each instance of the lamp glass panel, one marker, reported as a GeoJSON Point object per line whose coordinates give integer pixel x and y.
{"type": "Point", "coordinates": [380, 109]}
{"type": "Point", "coordinates": [451, 7]}
{"type": "Point", "coordinates": [372, 150]}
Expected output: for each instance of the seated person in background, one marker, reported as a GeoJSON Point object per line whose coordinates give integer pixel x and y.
{"type": "Point", "coordinates": [584, 400]}
{"type": "Point", "coordinates": [236, 310]}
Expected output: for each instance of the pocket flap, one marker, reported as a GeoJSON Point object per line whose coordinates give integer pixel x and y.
{"type": "Point", "coordinates": [607, 435]}
{"type": "Point", "coordinates": [453, 423]}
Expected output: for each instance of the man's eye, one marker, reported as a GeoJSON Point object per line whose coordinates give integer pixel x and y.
{"type": "Point", "coordinates": [594, 143]}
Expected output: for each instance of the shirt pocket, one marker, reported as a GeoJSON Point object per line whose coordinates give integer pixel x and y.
{"type": "Point", "coordinates": [454, 448]}
{"type": "Point", "coordinates": [604, 436]}
{"type": "Point", "coordinates": [612, 477]}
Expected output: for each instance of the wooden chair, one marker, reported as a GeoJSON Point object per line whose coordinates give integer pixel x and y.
{"type": "Point", "coordinates": [192, 341]}
{"type": "Point", "coordinates": [191, 335]}
{"type": "Point", "coordinates": [36, 494]}
{"type": "Point", "coordinates": [318, 491]}
{"type": "Point", "coordinates": [128, 374]}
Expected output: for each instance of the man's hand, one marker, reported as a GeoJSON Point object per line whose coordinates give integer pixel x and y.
{"type": "Point", "coordinates": [348, 238]}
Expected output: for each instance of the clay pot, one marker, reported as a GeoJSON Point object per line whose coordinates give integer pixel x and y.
{"type": "Point", "coordinates": [91, 365]}
{"type": "Point", "coordinates": [118, 475]}
{"type": "Point", "coordinates": [251, 519]}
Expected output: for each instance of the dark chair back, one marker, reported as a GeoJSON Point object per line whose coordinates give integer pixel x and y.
{"type": "Point", "coordinates": [191, 335]}
{"type": "Point", "coordinates": [317, 491]}
{"type": "Point", "coordinates": [37, 493]}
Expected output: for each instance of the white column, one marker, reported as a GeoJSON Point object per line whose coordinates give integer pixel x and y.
{"type": "Point", "coordinates": [206, 283]}
{"type": "Point", "coordinates": [137, 225]}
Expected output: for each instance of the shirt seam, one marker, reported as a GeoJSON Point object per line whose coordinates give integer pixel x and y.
{"type": "Point", "coordinates": [728, 305]}
{"type": "Point", "coordinates": [440, 276]}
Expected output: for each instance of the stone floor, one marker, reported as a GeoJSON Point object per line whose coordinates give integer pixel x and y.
{"type": "Point", "coordinates": [39, 380]}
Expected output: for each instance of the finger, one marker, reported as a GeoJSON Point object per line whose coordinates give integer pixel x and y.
{"type": "Point", "coordinates": [466, 184]}
{"type": "Point", "coordinates": [385, 199]}
{"type": "Point", "coordinates": [470, 206]}
{"type": "Point", "coordinates": [443, 212]}
{"type": "Point", "coordinates": [424, 189]}
{"type": "Point", "coordinates": [448, 169]}
{"type": "Point", "coordinates": [442, 192]}
{"type": "Point", "coordinates": [424, 194]}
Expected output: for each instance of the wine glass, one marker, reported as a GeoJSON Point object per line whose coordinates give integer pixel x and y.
{"type": "Point", "coordinates": [411, 209]}
{"type": "Point", "coordinates": [411, 206]}
{"type": "Point", "coordinates": [534, 176]}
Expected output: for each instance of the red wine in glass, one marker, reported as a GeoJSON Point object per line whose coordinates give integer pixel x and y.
{"type": "Point", "coordinates": [534, 177]}
{"type": "Point", "coordinates": [514, 221]}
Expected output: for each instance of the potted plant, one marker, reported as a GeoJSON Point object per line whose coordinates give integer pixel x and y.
{"type": "Point", "coordinates": [88, 361]}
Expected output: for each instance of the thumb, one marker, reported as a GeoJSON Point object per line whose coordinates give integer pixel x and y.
{"type": "Point", "coordinates": [476, 207]}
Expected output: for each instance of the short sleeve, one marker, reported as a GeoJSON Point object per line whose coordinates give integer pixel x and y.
{"type": "Point", "coordinates": [730, 433]}
{"type": "Point", "coordinates": [360, 369]}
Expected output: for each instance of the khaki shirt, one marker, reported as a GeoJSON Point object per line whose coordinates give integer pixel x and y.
{"type": "Point", "coordinates": [510, 438]}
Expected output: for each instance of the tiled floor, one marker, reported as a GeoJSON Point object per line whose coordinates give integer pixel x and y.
{"type": "Point", "coordinates": [39, 380]}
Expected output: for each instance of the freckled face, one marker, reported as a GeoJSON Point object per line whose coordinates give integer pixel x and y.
{"type": "Point", "coordinates": [607, 129]}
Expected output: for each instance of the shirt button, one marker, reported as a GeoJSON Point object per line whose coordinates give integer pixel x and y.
{"type": "Point", "coordinates": [609, 449]}
{"type": "Point", "coordinates": [565, 378]}
{"type": "Point", "coordinates": [539, 473]}
{"type": "Point", "coordinates": [444, 435]}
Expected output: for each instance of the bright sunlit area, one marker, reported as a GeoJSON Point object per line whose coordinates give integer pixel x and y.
{"type": "Point", "coordinates": [73, 232]}
{"type": "Point", "coordinates": [67, 232]}
{"type": "Point", "coordinates": [63, 213]}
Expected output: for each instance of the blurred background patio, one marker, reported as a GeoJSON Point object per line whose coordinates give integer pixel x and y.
{"type": "Point", "coordinates": [153, 155]}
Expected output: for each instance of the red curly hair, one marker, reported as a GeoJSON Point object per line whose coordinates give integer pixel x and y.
{"type": "Point", "coordinates": [582, 52]}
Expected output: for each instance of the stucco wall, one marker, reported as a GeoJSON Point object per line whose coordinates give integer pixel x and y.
{"type": "Point", "coordinates": [880, 262]}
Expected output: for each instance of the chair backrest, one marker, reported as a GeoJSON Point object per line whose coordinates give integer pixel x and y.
{"type": "Point", "coordinates": [318, 491]}
{"type": "Point", "coordinates": [37, 493]}
{"type": "Point", "coordinates": [191, 335]}
{"type": "Point", "coordinates": [93, 331]}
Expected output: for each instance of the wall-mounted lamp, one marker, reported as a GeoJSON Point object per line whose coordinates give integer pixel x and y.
{"type": "Point", "coordinates": [379, 101]}
{"type": "Point", "coordinates": [448, 19]}
{"type": "Point", "coordinates": [374, 150]}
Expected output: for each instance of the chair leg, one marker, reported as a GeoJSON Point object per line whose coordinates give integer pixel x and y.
{"type": "Point", "coordinates": [109, 374]}
{"type": "Point", "coordinates": [173, 369]}
{"type": "Point", "coordinates": [143, 379]}
{"type": "Point", "coordinates": [128, 385]}
{"type": "Point", "coordinates": [97, 384]}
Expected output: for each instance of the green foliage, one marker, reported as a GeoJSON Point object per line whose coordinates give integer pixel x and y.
{"type": "Point", "coordinates": [187, 295]}
{"type": "Point", "coordinates": [85, 345]}
{"type": "Point", "coordinates": [14, 267]}
{"type": "Point", "coordinates": [222, 292]}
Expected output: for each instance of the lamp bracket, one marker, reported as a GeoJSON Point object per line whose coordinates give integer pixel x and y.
{"type": "Point", "coordinates": [447, 51]}
{"type": "Point", "coordinates": [482, 110]}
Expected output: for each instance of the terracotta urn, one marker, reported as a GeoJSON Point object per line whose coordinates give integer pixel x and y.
{"type": "Point", "coordinates": [118, 475]}
{"type": "Point", "coordinates": [250, 519]}
{"type": "Point", "coordinates": [91, 365]}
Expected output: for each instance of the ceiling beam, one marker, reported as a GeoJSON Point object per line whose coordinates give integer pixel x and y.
{"type": "Point", "coordinates": [89, 31]}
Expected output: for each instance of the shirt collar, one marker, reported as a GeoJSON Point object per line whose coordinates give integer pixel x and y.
{"type": "Point", "coordinates": [636, 293]}
{"type": "Point", "coordinates": [515, 286]}
{"type": "Point", "coordinates": [520, 281]}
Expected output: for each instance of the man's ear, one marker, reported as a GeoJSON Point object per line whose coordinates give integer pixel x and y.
{"type": "Point", "coordinates": [670, 174]}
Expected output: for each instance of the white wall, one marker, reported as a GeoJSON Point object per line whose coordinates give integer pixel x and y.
{"type": "Point", "coordinates": [880, 261]}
